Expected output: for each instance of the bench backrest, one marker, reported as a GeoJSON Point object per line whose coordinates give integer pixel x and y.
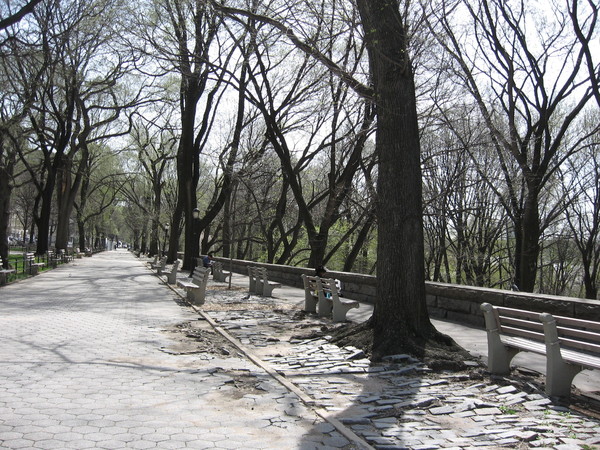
{"type": "Point", "coordinates": [518, 322]}
{"type": "Point", "coordinates": [29, 257]}
{"type": "Point", "coordinates": [320, 286]}
{"type": "Point", "coordinates": [572, 333]}
{"type": "Point", "coordinates": [261, 274]}
{"type": "Point", "coordinates": [200, 277]}
{"type": "Point", "coordinates": [310, 284]}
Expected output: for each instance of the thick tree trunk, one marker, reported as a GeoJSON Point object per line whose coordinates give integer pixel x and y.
{"type": "Point", "coordinates": [65, 202]}
{"type": "Point", "coordinates": [401, 311]}
{"type": "Point", "coordinates": [5, 194]}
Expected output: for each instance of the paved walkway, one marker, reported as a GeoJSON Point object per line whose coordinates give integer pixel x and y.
{"type": "Point", "coordinates": [96, 354]}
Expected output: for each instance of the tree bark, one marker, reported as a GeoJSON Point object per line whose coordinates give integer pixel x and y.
{"type": "Point", "coordinates": [401, 311]}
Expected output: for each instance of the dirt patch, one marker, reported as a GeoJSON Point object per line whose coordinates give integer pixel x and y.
{"type": "Point", "coordinates": [198, 338]}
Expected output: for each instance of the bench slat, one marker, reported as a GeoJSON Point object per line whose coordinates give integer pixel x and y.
{"type": "Point", "coordinates": [588, 336]}
{"type": "Point", "coordinates": [581, 345]}
{"type": "Point", "coordinates": [538, 337]}
{"type": "Point", "coordinates": [510, 312]}
{"type": "Point", "coordinates": [524, 344]}
{"type": "Point", "coordinates": [520, 323]}
{"type": "Point", "coordinates": [581, 359]}
{"type": "Point", "coordinates": [579, 323]}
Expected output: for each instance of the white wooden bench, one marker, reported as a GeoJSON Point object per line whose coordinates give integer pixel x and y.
{"type": "Point", "coordinates": [4, 273]}
{"type": "Point", "coordinates": [160, 265]}
{"type": "Point", "coordinates": [264, 287]}
{"type": "Point", "coordinates": [172, 274]}
{"type": "Point", "coordinates": [31, 266]}
{"type": "Point", "coordinates": [196, 289]}
{"type": "Point", "coordinates": [218, 273]}
{"type": "Point", "coordinates": [64, 256]}
{"type": "Point", "coordinates": [53, 259]}
{"type": "Point", "coordinates": [570, 345]}
{"type": "Point", "coordinates": [322, 294]}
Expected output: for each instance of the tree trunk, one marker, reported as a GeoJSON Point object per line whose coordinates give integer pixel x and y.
{"type": "Point", "coordinates": [530, 245]}
{"type": "Point", "coordinates": [6, 172]}
{"type": "Point", "coordinates": [401, 311]}
{"type": "Point", "coordinates": [43, 221]}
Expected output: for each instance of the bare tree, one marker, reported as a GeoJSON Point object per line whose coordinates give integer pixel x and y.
{"type": "Point", "coordinates": [529, 91]}
{"type": "Point", "coordinates": [155, 146]}
{"type": "Point", "coordinates": [582, 212]}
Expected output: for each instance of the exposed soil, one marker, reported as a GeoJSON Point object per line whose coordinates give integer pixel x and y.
{"type": "Point", "coordinates": [198, 337]}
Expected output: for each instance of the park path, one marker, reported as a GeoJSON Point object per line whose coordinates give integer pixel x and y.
{"type": "Point", "coordinates": [85, 363]}
{"type": "Point", "coordinates": [101, 353]}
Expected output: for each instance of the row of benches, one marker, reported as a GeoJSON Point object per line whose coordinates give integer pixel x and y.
{"type": "Point", "coordinates": [570, 345]}
{"type": "Point", "coordinates": [321, 294]}
{"type": "Point", "coordinates": [32, 266]}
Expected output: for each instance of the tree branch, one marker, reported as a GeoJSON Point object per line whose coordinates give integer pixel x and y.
{"type": "Point", "coordinates": [358, 87]}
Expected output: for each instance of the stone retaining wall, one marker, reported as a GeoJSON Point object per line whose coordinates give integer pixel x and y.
{"type": "Point", "coordinates": [446, 301]}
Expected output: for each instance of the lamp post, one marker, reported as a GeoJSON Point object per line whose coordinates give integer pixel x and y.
{"type": "Point", "coordinates": [196, 238]}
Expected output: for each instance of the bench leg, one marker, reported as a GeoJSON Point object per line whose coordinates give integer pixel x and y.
{"type": "Point", "coordinates": [196, 296]}
{"type": "Point", "coordinates": [172, 278]}
{"type": "Point", "coordinates": [340, 311]}
{"type": "Point", "coordinates": [559, 374]}
{"type": "Point", "coordinates": [268, 290]}
{"type": "Point", "coordinates": [310, 303]}
{"type": "Point", "coordinates": [499, 355]}
{"type": "Point", "coordinates": [325, 307]}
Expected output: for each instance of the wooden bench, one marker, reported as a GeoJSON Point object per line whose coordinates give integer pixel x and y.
{"type": "Point", "coordinates": [31, 266]}
{"type": "Point", "coordinates": [196, 289]}
{"type": "Point", "coordinates": [570, 345]}
{"type": "Point", "coordinates": [172, 274]}
{"type": "Point", "coordinates": [264, 287]}
{"type": "Point", "coordinates": [64, 256]}
{"type": "Point", "coordinates": [218, 273]}
{"type": "Point", "coordinates": [4, 273]}
{"type": "Point", "coordinates": [52, 259]}
{"type": "Point", "coordinates": [153, 263]}
{"type": "Point", "coordinates": [322, 294]}
{"type": "Point", "coordinates": [160, 265]}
